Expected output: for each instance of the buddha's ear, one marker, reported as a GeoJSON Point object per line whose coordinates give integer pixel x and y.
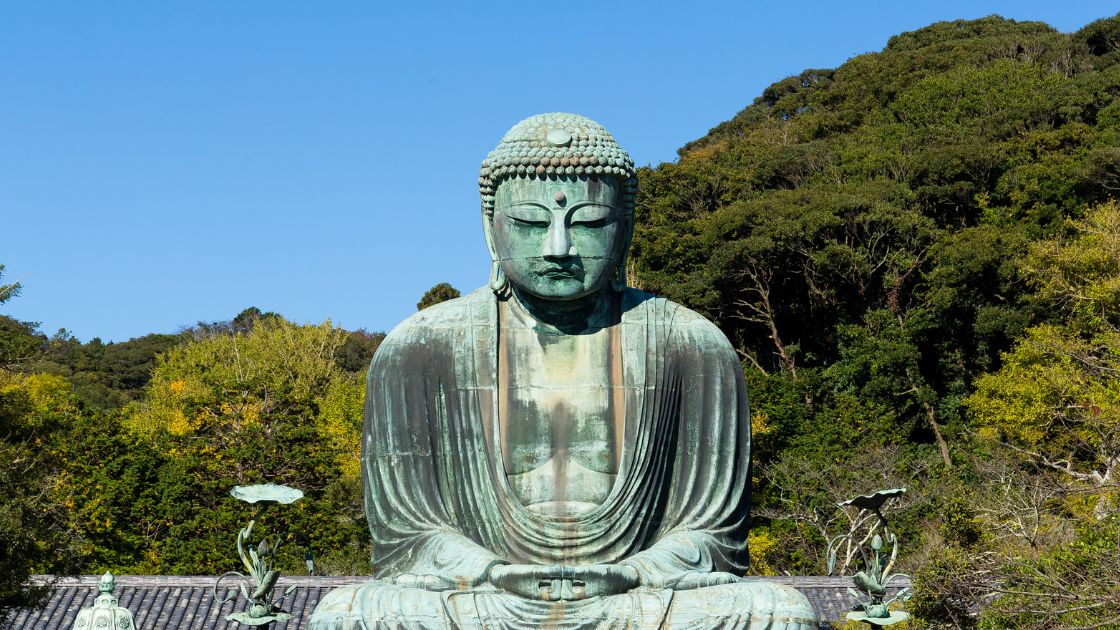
{"type": "Point", "coordinates": [498, 282]}
{"type": "Point", "coordinates": [488, 233]}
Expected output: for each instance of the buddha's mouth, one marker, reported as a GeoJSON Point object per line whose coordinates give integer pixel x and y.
{"type": "Point", "coordinates": [560, 273]}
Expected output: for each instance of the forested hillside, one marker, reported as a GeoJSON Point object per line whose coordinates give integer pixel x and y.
{"type": "Point", "coordinates": [916, 255]}
{"type": "Point", "coordinates": [121, 456]}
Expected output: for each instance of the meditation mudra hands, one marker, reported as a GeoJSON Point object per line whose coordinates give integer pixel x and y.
{"type": "Point", "coordinates": [564, 582]}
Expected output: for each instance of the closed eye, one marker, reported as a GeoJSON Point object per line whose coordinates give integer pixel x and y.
{"type": "Point", "coordinates": [530, 222]}
{"type": "Point", "coordinates": [591, 215]}
{"type": "Point", "coordinates": [529, 215]}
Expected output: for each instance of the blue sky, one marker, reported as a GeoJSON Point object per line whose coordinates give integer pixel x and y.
{"type": "Point", "coordinates": [165, 163]}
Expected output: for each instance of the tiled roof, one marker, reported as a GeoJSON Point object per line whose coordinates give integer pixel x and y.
{"type": "Point", "coordinates": [160, 602]}
{"type": "Point", "coordinates": [829, 595]}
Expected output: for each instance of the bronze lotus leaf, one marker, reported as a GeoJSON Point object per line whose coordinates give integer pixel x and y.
{"type": "Point", "coordinates": [873, 501]}
{"type": "Point", "coordinates": [267, 493]}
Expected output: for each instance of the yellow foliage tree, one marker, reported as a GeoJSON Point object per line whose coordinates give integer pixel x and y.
{"type": "Point", "coordinates": [256, 404]}
{"type": "Point", "coordinates": [1056, 399]}
{"type": "Point", "coordinates": [225, 384]}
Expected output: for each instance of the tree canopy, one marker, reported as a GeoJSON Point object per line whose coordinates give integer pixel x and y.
{"type": "Point", "coordinates": [912, 254]}
{"type": "Point", "coordinates": [438, 293]}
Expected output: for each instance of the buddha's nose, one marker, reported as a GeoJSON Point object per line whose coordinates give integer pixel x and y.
{"type": "Point", "coordinates": [559, 243]}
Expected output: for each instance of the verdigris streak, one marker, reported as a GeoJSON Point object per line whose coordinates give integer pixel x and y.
{"type": "Point", "coordinates": [556, 449]}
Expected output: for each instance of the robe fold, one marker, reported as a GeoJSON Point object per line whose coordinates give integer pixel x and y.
{"type": "Point", "coordinates": [439, 503]}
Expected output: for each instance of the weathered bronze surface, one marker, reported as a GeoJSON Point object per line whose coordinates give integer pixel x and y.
{"type": "Point", "coordinates": [105, 612]}
{"type": "Point", "coordinates": [872, 606]}
{"type": "Point", "coordinates": [556, 449]}
{"type": "Point", "coordinates": [260, 560]}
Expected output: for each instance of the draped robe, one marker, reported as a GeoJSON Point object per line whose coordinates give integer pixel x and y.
{"type": "Point", "coordinates": [439, 503]}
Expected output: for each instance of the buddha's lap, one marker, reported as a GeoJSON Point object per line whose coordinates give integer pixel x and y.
{"type": "Point", "coordinates": [747, 604]}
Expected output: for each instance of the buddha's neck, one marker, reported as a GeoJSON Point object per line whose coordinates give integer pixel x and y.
{"type": "Point", "coordinates": [568, 316]}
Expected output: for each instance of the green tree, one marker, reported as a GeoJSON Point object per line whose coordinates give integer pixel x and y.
{"type": "Point", "coordinates": [7, 291]}
{"type": "Point", "coordinates": [103, 375]}
{"type": "Point", "coordinates": [29, 409]}
{"type": "Point", "coordinates": [20, 343]}
{"type": "Point", "coordinates": [31, 525]}
{"type": "Point", "coordinates": [439, 293]}
{"type": "Point", "coordinates": [859, 234]}
{"type": "Point", "coordinates": [357, 351]}
{"type": "Point", "coordinates": [1056, 399]}
{"type": "Point", "coordinates": [1047, 439]}
{"type": "Point", "coordinates": [265, 405]}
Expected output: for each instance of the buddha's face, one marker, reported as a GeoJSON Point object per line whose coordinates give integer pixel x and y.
{"type": "Point", "coordinates": [558, 239]}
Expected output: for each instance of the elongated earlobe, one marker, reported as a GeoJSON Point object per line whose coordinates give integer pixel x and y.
{"type": "Point", "coordinates": [498, 282]}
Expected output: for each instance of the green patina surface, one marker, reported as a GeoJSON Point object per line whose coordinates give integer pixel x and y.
{"type": "Point", "coordinates": [872, 604]}
{"type": "Point", "coordinates": [259, 560]}
{"type": "Point", "coordinates": [105, 613]}
{"type": "Point", "coordinates": [555, 449]}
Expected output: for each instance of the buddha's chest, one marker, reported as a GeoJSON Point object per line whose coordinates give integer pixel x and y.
{"type": "Point", "coordinates": [561, 418]}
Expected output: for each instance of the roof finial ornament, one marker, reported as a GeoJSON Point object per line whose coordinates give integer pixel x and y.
{"type": "Point", "coordinates": [105, 614]}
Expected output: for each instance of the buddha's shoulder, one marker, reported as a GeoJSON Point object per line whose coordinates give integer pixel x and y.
{"type": "Point", "coordinates": [676, 319]}
{"type": "Point", "coordinates": [440, 320]}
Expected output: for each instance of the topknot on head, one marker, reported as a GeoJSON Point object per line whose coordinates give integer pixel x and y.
{"type": "Point", "coordinates": [557, 145]}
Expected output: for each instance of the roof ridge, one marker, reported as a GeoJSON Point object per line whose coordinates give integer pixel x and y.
{"type": "Point", "coordinates": [185, 602]}
{"type": "Point", "coordinates": [189, 580]}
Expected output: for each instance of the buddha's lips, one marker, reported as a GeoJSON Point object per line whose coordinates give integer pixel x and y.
{"type": "Point", "coordinates": [557, 272]}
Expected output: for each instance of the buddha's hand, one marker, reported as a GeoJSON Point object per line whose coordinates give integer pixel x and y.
{"type": "Point", "coordinates": [424, 582]}
{"type": "Point", "coordinates": [562, 582]}
{"type": "Point", "coordinates": [594, 580]}
{"type": "Point", "coordinates": [523, 579]}
{"type": "Point", "coordinates": [703, 579]}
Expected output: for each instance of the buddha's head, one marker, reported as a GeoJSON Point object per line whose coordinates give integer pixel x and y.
{"type": "Point", "coordinates": [558, 208]}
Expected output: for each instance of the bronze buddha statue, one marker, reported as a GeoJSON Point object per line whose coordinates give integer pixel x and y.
{"type": "Point", "coordinates": [556, 449]}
